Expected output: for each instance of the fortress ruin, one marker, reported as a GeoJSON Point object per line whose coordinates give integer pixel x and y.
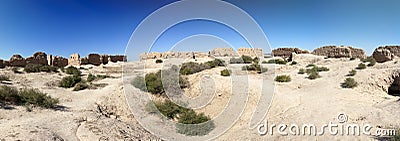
{"type": "Point", "coordinates": [58, 61]}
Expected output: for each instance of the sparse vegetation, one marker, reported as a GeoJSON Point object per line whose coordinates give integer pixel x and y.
{"type": "Point", "coordinates": [73, 71]}
{"type": "Point", "coordinates": [10, 95]}
{"type": "Point", "coordinates": [311, 65]}
{"type": "Point", "coordinates": [184, 116]}
{"type": "Point", "coordinates": [91, 77]}
{"type": "Point", "coordinates": [361, 66]}
{"type": "Point", "coordinates": [255, 67]}
{"type": "Point", "coordinates": [372, 62]}
{"type": "Point", "coordinates": [349, 83]}
{"type": "Point", "coordinates": [192, 67]}
{"type": "Point", "coordinates": [247, 59]}
{"type": "Point", "coordinates": [293, 63]}
{"type": "Point", "coordinates": [69, 81]}
{"type": "Point", "coordinates": [352, 58]}
{"type": "Point", "coordinates": [159, 61]}
{"type": "Point", "coordinates": [313, 75]}
{"type": "Point", "coordinates": [283, 78]}
{"type": "Point", "coordinates": [80, 86]}
{"type": "Point", "coordinates": [352, 73]}
{"type": "Point", "coordinates": [4, 78]}
{"type": "Point", "coordinates": [225, 72]}
{"type": "Point", "coordinates": [33, 68]}
{"type": "Point", "coordinates": [276, 61]}
{"type": "Point", "coordinates": [152, 82]}
{"type": "Point", "coordinates": [301, 71]}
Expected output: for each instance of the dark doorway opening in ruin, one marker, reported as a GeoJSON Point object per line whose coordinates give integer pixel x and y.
{"type": "Point", "coordinates": [394, 88]}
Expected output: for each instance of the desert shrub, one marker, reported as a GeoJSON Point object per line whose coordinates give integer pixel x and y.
{"type": "Point", "coordinates": [200, 125]}
{"type": "Point", "coordinates": [192, 67]}
{"type": "Point", "coordinates": [4, 78]}
{"type": "Point", "coordinates": [317, 69]}
{"type": "Point", "coordinates": [32, 68]}
{"type": "Point", "coordinates": [37, 98]}
{"type": "Point", "coordinates": [276, 61]}
{"type": "Point", "coordinates": [26, 96]}
{"type": "Point", "coordinates": [283, 78]}
{"type": "Point", "coordinates": [236, 61]}
{"type": "Point", "coordinates": [80, 86]}
{"type": "Point", "coordinates": [225, 72]}
{"type": "Point", "coordinates": [170, 109]}
{"type": "Point", "coordinates": [361, 66]}
{"type": "Point", "coordinates": [91, 77]}
{"type": "Point", "coordinates": [102, 76]}
{"type": "Point", "coordinates": [255, 67]}
{"type": "Point", "coordinates": [139, 83]}
{"type": "Point", "coordinates": [313, 75]}
{"type": "Point", "coordinates": [264, 62]}
{"type": "Point", "coordinates": [256, 60]}
{"type": "Point", "coordinates": [372, 62]}
{"type": "Point", "coordinates": [293, 63]}
{"type": "Point", "coordinates": [62, 69]}
{"type": "Point", "coordinates": [352, 58]}
{"type": "Point", "coordinates": [69, 81]}
{"type": "Point", "coordinates": [9, 95]}
{"type": "Point", "coordinates": [311, 65]}
{"type": "Point", "coordinates": [352, 73]}
{"type": "Point", "coordinates": [349, 83]}
{"type": "Point", "coordinates": [153, 82]}
{"type": "Point", "coordinates": [301, 71]}
{"type": "Point", "coordinates": [159, 61]}
{"type": "Point", "coordinates": [73, 71]}
{"type": "Point", "coordinates": [247, 59]}
{"type": "Point", "coordinates": [215, 63]}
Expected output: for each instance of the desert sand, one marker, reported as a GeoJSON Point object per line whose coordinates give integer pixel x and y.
{"type": "Point", "coordinates": [103, 113]}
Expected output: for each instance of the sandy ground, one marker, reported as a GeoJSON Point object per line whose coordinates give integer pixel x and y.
{"type": "Point", "coordinates": [103, 114]}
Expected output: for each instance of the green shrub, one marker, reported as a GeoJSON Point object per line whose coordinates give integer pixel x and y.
{"type": "Point", "coordinates": [159, 61]}
{"type": "Point", "coordinates": [313, 75]}
{"type": "Point", "coordinates": [264, 62]}
{"type": "Point", "coordinates": [255, 67]}
{"type": "Point", "coordinates": [361, 66]}
{"type": "Point", "coordinates": [80, 86]}
{"type": "Point", "coordinates": [256, 60]}
{"type": "Point", "coordinates": [153, 82]}
{"type": "Point", "coordinates": [311, 65]}
{"type": "Point", "coordinates": [193, 124]}
{"type": "Point", "coordinates": [91, 77]}
{"type": "Point", "coordinates": [170, 109]}
{"type": "Point", "coordinates": [192, 67]}
{"type": "Point", "coordinates": [69, 81]}
{"type": "Point", "coordinates": [139, 83]}
{"type": "Point", "coordinates": [293, 63]}
{"type": "Point", "coordinates": [62, 69]}
{"type": "Point", "coordinates": [317, 69]}
{"type": "Point", "coordinates": [32, 68]}
{"type": "Point", "coordinates": [102, 76]}
{"type": "Point", "coordinates": [225, 72]}
{"type": "Point", "coordinates": [349, 83]}
{"type": "Point", "coordinates": [10, 95]}
{"type": "Point", "coordinates": [4, 78]}
{"type": "Point", "coordinates": [236, 61]}
{"type": "Point", "coordinates": [276, 61]}
{"type": "Point", "coordinates": [37, 98]}
{"type": "Point", "coordinates": [352, 58]}
{"type": "Point", "coordinates": [283, 78]}
{"type": "Point", "coordinates": [247, 59]}
{"type": "Point", "coordinates": [73, 71]}
{"type": "Point", "coordinates": [301, 71]}
{"type": "Point", "coordinates": [352, 73]}
{"type": "Point", "coordinates": [372, 62]}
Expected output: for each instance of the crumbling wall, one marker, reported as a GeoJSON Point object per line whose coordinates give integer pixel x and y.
{"type": "Point", "coordinates": [74, 59]}
{"type": "Point", "coordinates": [339, 52]}
{"type": "Point", "coordinates": [94, 59]}
{"type": "Point", "coordinates": [252, 52]}
{"type": "Point", "coordinates": [17, 61]}
{"type": "Point", "coordinates": [37, 58]}
{"type": "Point", "coordinates": [287, 52]}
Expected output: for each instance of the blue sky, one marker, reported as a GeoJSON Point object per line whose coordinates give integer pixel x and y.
{"type": "Point", "coordinates": [63, 27]}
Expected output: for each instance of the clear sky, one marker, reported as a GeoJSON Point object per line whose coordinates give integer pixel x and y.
{"type": "Point", "coordinates": [63, 27]}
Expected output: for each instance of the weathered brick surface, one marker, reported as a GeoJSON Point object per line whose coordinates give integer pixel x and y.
{"type": "Point", "coordinates": [338, 52]}
{"type": "Point", "coordinates": [94, 59]}
{"type": "Point", "coordinates": [386, 53]}
{"type": "Point", "coordinates": [287, 52]}
{"type": "Point", "coordinates": [17, 61]}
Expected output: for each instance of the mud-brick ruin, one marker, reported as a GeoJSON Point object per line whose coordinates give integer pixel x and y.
{"type": "Point", "coordinates": [216, 52]}
{"type": "Point", "coordinates": [58, 61]}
